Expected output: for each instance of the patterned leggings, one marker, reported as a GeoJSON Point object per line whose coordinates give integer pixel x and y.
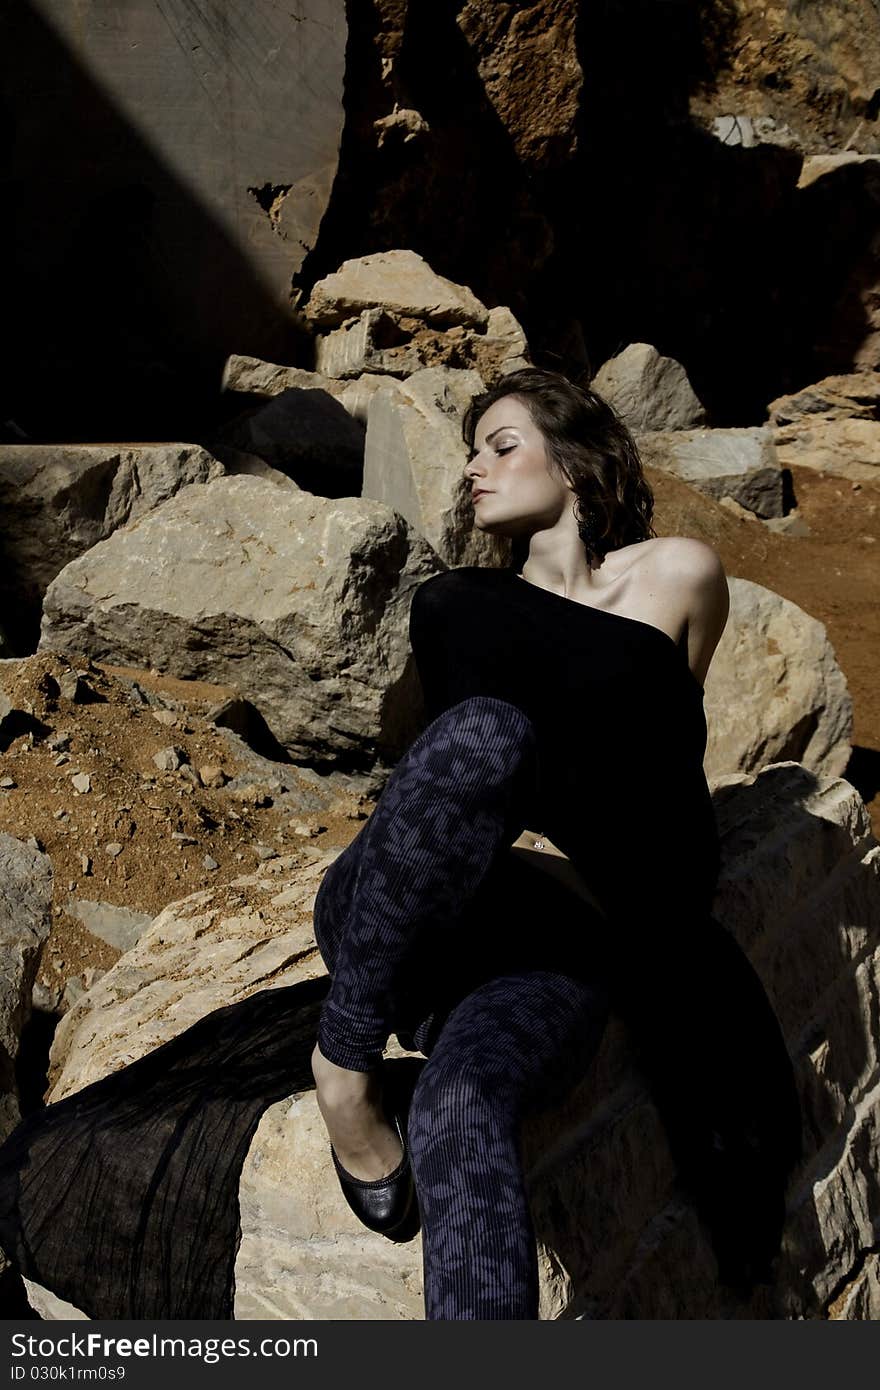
{"type": "Point", "coordinates": [429, 926]}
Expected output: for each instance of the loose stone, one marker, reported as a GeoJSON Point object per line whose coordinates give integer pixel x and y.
{"type": "Point", "coordinates": [212, 775]}
{"type": "Point", "coordinates": [169, 759]}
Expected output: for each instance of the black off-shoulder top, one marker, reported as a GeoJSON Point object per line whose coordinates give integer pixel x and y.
{"type": "Point", "coordinates": [619, 720]}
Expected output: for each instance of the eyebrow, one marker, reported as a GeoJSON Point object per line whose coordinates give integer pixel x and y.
{"type": "Point", "coordinates": [490, 437]}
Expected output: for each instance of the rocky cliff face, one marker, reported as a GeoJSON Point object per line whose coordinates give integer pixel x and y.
{"type": "Point", "coordinates": [623, 173]}
{"type": "Point", "coordinates": [612, 173]}
{"type": "Point", "coordinates": [190, 151]}
{"type": "Point", "coordinates": [804, 75]}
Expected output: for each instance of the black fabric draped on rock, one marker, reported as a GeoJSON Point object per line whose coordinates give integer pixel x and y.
{"type": "Point", "coordinates": [123, 1198]}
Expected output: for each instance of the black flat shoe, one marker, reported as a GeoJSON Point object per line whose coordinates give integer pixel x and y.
{"type": "Point", "coordinates": [383, 1204]}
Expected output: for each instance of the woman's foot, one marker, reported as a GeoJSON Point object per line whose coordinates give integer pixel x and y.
{"type": "Point", "coordinates": [350, 1102]}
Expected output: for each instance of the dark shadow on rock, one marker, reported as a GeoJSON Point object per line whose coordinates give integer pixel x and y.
{"type": "Point", "coordinates": [307, 435]}
{"type": "Point", "coordinates": [683, 242]}
{"type": "Point", "coordinates": [244, 719]}
{"type": "Point", "coordinates": [863, 771]}
{"type": "Point", "coordinates": [13, 1298]}
{"type": "Point", "coordinates": [32, 1063]}
{"type": "Point", "coordinates": [709, 252]}
{"type": "Point", "coordinates": [457, 193]}
{"type": "Point", "coordinates": [836, 268]}
{"type": "Point", "coordinates": [19, 722]}
{"type": "Point", "coordinates": [789, 499]}
{"type": "Point", "coordinates": [122, 294]}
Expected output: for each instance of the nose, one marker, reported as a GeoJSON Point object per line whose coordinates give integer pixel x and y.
{"type": "Point", "coordinates": [474, 468]}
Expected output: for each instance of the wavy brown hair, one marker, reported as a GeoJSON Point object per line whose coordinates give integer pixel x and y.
{"type": "Point", "coordinates": [592, 448]}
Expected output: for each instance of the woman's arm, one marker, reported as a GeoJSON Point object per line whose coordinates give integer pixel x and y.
{"type": "Point", "coordinates": [698, 574]}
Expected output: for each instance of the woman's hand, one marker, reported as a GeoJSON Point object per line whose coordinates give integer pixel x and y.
{"type": "Point", "coordinates": [527, 841]}
{"type": "Point", "coordinates": [552, 861]}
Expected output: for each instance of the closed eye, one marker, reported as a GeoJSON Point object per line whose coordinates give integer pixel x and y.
{"type": "Point", "coordinates": [506, 449]}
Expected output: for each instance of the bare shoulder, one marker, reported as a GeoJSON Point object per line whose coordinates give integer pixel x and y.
{"type": "Point", "coordinates": [692, 567]}
{"type": "Point", "coordinates": [692, 575]}
{"type": "Point", "coordinates": [685, 556]}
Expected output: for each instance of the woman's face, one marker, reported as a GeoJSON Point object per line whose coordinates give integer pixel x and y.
{"type": "Point", "coordinates": [513, 487]}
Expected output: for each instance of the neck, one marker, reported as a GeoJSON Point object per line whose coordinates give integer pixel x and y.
{"type": "Point", "coordinates": [560, 565]}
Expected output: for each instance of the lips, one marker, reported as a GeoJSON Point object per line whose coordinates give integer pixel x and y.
{"type": "Point", "coordinates": [479, 492]}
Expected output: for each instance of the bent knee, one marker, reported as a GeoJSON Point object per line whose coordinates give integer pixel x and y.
{"type": "Point", "coordinates": [486, 727]}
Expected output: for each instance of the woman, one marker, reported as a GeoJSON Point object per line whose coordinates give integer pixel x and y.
{"type": "Point", "coordinates": [559, 692]}
{"type": "Point", "coordinates": [563, 698]}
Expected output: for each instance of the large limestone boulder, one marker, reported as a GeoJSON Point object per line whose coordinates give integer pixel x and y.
{"type": "Point", "coordinates": [649, 392]}
{"type": "Point", "coordinates": [370, 343]}
{"type": "Point", "coordinates": [796, 69]}
{"type": "Point", "coordinates": [855, 395]}
{"type": "Point", "coordinates": [775, 690]}
{"type": "Point", "coordinates": [832, 426]}
{"type": "Point", "coordinates": [303, 1253]}
{"type": "Point", "coordinates": [252, 377]}
{"type": "Point", "coordinates": [502, 348]}
{"type": "Point", "coordinates": [737, 463]}
{"type": "Point", "coordinates": [256, 933]}
{"type": "Point", "coordinates": [25, 919]}
{"type": "Point", "coordinates": [57, 501]}
{"type": "Point", "coordinates": [798, 889]}
{"type": "Point", "coordinates": [377, 342]}
{"type": "Point", "coordinates": [722, 463]}
{"type": "Point", "coordinates": [846, 448]}
{"type": "Point", "coordinates": [402, 283]}
{"type": "Point", "coordinates": [390, 313]}
{"type": "Point", "coordinates": [239, 464]}
{"type": "Point", "coordinates": [825, 166]}
{"type": "Point", "coordinates": [356, 395]}
{"type": "Point", "coordinates": [298, 602]}
{"type": "Point", "coordinates": [414, 460]}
